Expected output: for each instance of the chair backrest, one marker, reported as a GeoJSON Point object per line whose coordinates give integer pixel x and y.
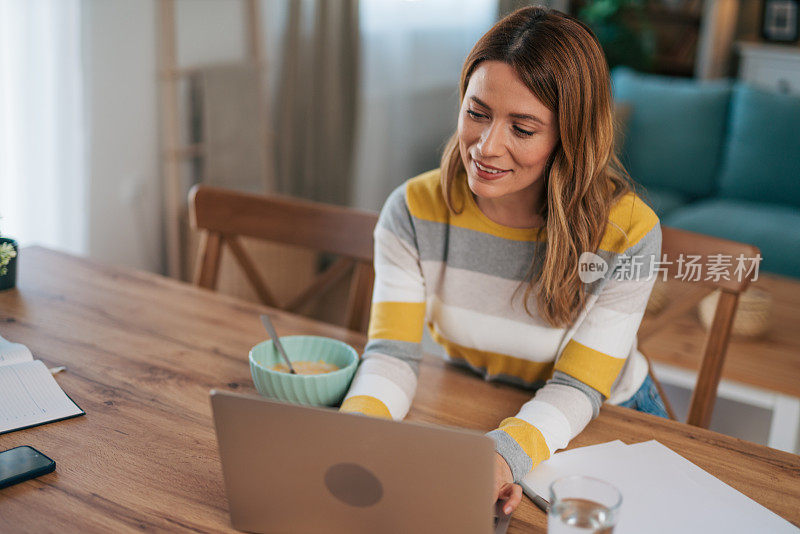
{"type": "Point", "coordinates": [224, 215]}
{"type": "Point", "coordinates": [714, 256]}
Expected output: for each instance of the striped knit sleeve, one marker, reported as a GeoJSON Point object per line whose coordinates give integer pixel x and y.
{"type": "Point", "coordinates": [386, 380]}
{"type": "Point", "coordinates": [592, 359]}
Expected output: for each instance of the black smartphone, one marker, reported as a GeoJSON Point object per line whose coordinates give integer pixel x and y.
{"type": "Point", "coordinates": [23, 463]}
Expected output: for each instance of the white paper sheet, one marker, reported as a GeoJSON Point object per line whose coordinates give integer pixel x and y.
{"type": "Point", "coordinates": [662, 492]}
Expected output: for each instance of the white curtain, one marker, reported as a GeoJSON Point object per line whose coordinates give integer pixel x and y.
{"type": "Point", "coordinates": [42, 171]}
{"type": "Point", "coordinates": [316, 100]}
{"type": "Point", "coordinates": [412, 53]}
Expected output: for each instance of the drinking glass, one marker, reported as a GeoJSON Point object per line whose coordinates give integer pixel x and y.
{"type": "Point", "coordinates": [582, 505]}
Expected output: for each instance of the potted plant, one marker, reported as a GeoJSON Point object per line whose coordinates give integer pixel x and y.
{"type": "Point", "coordinates": [8, 263]}
{"type": "Point", "coordinates": [624, 31]}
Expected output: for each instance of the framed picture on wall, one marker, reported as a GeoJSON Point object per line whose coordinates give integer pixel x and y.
{"type": "Point", "coordinates": [780, 20]}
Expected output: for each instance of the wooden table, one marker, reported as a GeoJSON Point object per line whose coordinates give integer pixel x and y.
{"type": "Point", "coordinates": [142, 353]}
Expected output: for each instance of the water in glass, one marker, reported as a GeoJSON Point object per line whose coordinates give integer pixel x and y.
{"type": "Point", "coordinates": [579, 516]}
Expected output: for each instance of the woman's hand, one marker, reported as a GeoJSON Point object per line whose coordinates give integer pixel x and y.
{"type": "Point", "coordinates": [504, 487]}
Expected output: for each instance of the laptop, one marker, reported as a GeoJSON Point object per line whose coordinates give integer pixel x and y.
{"type": "Point", "coordinates": [293, 469]}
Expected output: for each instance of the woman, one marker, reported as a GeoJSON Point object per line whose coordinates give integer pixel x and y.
{"type": "Point", "coordinates": [491, 249]}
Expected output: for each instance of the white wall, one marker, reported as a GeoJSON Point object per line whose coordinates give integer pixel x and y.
{"type": "Point", "coordinates": [122, 143]}
{"type": "Point", "coordinates": [120, 52]}
{"type": "Point", "coordinates": [408, 107]}
{"type": "Point", "coordinates": [209, 31]}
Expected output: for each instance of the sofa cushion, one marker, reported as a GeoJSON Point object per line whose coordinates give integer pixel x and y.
{"type": "Point", "coordinates": [762, 159]}
{"type": "Point", "coordinates": [663, 201]}
{"type": "Point", "coordinates": [676, 132]}
{"type": "Point", "coordinates": [773, 229]}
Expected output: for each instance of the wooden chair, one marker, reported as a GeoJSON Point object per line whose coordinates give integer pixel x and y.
{"type": "Point", "coordinates": [224, 215]}
{"type": "Point", "coordinates": [680, 242]}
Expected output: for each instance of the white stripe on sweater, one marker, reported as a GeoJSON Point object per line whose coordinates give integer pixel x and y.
{"type": "Point", "coordinates": [573, 403]}
{"type": "Point", "coordinates": [550, 421]}
{"type": "Point", "coordinates": [383, 389]}
{"type": "Point", "coordinates": [471, 328]}
{"type": "Point", "coordinates": [398, 277]}
{"type": "Point", "coordinates": [608, 331]}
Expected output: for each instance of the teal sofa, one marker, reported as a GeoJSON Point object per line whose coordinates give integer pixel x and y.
{"type": "Point", "coordinates": [720, 158]}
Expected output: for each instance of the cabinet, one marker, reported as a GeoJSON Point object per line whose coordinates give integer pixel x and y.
{"type": "Point", "coordinates": [772, 67]}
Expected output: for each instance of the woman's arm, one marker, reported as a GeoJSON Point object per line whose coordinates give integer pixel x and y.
{"type": "Point", "coordinates": [588, 366]}
{"type": "Point", "coordinates": [386, 380]}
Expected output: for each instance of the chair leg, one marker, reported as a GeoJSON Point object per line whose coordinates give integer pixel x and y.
{"type": "Point", "coordinates": [208, 256]}
{"type": "Point", "coordinates": [705, 391]}
{"type": "Point", "coordinates": [360, 297]}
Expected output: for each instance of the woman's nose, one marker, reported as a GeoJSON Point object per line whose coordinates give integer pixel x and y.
{"type": "Point", "coordinates": [492, 142]}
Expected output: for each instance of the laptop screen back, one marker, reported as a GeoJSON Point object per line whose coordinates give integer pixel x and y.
{"type": "Point", "coordinates": [291, 468]}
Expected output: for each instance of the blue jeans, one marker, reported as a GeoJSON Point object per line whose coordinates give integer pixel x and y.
{"type": "Point", "coordinates": [647, 400]}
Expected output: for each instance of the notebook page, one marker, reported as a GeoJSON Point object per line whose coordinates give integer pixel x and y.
{"type": "Point", "coordinates": [13, 352]}
{"type": "Point", "coordinates": [29, 395]}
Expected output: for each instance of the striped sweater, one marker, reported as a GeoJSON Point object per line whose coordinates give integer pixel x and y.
{"type": "Point", "coordinates": [460, 274]}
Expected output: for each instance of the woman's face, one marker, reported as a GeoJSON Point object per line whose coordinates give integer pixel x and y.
{"type": "Point", "coordinates": [505, 135]}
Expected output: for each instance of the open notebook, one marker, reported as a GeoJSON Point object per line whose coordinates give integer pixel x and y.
{"type": "Point", "coordinates": [29, 395]}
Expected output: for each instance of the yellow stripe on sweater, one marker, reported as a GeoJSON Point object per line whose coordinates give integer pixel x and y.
{"type": "Point", "coordinates": [528, 437]}
{"type": "Point", "coordinates": [366, 405]}
{"type": "Point", "coordinates": [630, 219]}
{"type": "Point", "coordinates": [495, 363]}
{"type": "Point", "coordinates": [424, 197]}
{"type": "Point", "coordinates": [398, 321]}
{"type": "Point", "coordinates": [425, 201]}
{"type": "Point", "coordinates": [592, 367]}
{"type": "Point", "coordinates": [632, 216]}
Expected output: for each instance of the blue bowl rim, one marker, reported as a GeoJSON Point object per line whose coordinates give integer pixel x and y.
{"type": "Point", "coordinates": [305, 377]}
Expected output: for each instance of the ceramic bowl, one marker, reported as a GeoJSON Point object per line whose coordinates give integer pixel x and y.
{"type": "Point", "coordinates": [325, 389]}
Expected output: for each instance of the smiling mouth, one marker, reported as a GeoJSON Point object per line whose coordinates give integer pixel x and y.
{"type": "Point", "coordinates": [489, 171]}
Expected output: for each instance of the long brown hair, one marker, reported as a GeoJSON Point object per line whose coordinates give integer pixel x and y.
{"type": "Point", "coordinates": [559, 59]}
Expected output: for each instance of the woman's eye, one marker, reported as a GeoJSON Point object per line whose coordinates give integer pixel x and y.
{"type": "Point", "coordinates": [475, 115]}
{"type": "Point", "coordinates": [522, 132]}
